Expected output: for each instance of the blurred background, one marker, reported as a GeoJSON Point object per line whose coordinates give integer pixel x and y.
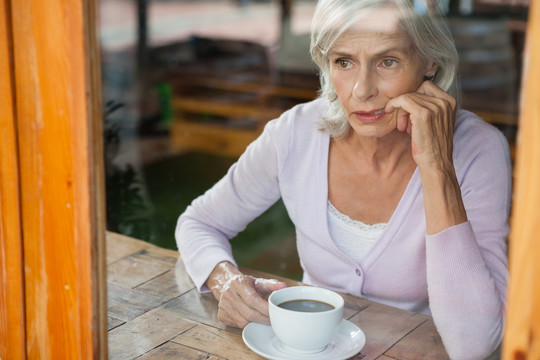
{"type": "Point", "coordinates": [188, 84]}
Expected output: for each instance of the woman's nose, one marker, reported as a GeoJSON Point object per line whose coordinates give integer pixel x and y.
{"type": "Point", "coordinates": [364, 88]}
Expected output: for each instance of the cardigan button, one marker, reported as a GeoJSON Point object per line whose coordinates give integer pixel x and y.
{"type": "Point", "coordinates": [358, 272]}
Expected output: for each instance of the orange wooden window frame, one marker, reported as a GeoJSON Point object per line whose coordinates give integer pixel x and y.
{"type": "Point", "coordinates": [12, 334]}
{"type": "Point", "coordinates": [51, 182]}
{"type": "Point", "coordinates": [522, 336]}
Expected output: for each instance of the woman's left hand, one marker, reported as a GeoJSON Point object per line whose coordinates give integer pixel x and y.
{"type": "Point", "coordinates": [429, 116]}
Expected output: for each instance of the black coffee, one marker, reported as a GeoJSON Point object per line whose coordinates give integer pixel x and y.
{"type": "Point", "coordinates": [306, 305]}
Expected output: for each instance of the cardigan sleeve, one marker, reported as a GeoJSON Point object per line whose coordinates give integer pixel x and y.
{"type": "Point", "coordinates": [467, 263]}
{"type": "Point", "coordinates": [248, 189]}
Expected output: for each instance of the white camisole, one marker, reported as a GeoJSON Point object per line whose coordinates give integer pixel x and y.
{"type": "Point", "coordinates": [352, 236]}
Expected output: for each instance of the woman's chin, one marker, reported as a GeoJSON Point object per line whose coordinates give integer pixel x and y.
{"type": "Point", "coordinates": [375, 130]}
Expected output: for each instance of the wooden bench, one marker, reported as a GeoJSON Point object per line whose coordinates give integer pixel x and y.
{"type": "Point", "coordinates": [223, 114]}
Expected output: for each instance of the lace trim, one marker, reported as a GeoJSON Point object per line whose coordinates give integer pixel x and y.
{"type": "Point", "coordinates": [356, 223]}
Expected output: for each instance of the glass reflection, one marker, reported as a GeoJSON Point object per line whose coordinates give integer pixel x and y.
{"type": "Point", "coordinates": [188, 84]}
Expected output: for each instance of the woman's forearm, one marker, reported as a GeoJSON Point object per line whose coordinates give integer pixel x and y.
{"type": "Point", "coordinates": [442, 199]}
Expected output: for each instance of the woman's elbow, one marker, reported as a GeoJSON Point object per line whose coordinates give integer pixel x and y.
{"type": "Point", "coordinates": [480, 345]}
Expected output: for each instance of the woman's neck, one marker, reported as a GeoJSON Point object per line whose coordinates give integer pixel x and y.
{"type": "Point", "coordinates": [382, 154]}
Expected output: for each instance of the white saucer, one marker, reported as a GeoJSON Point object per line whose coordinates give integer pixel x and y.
{"type": "Point", "coordinates": [261, 339]}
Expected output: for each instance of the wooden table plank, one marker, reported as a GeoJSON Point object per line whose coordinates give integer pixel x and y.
{"type": "Point", "coordinates": [113, 322]}
{"type": "Point", "coordinates": [159, 252]}
{"type": "Point", "coordinates": [384, 326]}
{"type": "Point", "coordinates": [353, 305]}
{"type": "Point", "coordinates": [200, 308]}
{"type": "Point", "coordinates": [171, 284]}
{"type": "Point", "coordinates": [173, 351]}
{"type": "Point", "coordinates": [126, 304]}
{"type": "Point", "coordinates": [146, 332]}
{"type": "Point", "coordinates": [216, 342]}
{"type": "Point", "coordinates": [120, 246]}
{"type": "Point", "coordinates": [422, 343]}
{"type": "Point", "coordinates": [138, 268]}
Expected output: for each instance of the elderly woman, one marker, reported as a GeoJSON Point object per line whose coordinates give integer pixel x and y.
{"type": "Point", "coordinates": [397, 195]}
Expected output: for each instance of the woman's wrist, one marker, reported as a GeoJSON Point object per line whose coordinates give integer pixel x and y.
{"type": "Point", "coordinates": [442, 199]}
{"type": "Point", "coordinates": [221, 276]}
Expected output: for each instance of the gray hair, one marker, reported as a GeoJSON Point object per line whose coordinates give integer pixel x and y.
{"type": "Point", "coordinates": [429, 34]}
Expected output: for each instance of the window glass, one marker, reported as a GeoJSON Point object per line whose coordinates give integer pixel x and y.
{"type": "Point", "coordinates": [187, 85]}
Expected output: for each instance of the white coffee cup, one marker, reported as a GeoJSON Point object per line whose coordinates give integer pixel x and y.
{"type": "Point", "coordinates": [301, 331]}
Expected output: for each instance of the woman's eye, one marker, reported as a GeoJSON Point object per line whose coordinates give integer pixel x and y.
{"type": "Point", "coordinates": [342, 63]}
{"type": "Point", "coordinates": [389, 63]}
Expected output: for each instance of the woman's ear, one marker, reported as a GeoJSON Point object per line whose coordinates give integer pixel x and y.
{"type": "Point", "coordinates": [431, 70]}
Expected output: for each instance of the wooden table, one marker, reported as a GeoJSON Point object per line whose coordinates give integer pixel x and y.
{"type": "Point", "coordinates": [155, 312]}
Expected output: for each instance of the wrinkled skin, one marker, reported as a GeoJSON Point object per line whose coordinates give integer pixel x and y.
{"type": "Point", "coordinates": [242, 298]}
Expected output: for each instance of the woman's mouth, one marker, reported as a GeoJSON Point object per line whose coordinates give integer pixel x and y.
{"type": "Point", "coordinates": [369, 116]}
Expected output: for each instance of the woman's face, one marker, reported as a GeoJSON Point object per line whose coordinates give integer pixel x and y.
{"type": "Point", "coordinates": [369, 65]}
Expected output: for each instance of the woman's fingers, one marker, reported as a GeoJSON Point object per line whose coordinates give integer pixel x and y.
{"type": "Point", "coordinates": [235, 312]}
{"type": "Point", "coordinates": [241, 298]}
{"type": "Point", "coordinates": [428, 115]}
{"type": "Point", "coordinates": [409, 127]}
{"type": "Point", "coordinates": [427, 94]}
{"type": "Point", "coordinates": [266, 286]}
{"type": "Point", "coordinates": [430, 89]}
{"type": "Point", "coordinates": [417, 106]}
{"type": "Point", "coordinates": [402, 120]}
{"type": "Point", "coordinates": [242, 301]}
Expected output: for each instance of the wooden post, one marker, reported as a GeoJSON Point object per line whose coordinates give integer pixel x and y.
{"type": "Point", "coordinates": [522, 337]}
{"type": "Point", "coordinates": [12, 334]}
{"type": "Point", "coordinates": [53, 200]}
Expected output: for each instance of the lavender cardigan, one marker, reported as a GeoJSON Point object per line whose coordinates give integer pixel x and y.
{"type": "Point", "coordinates": [458, 275]}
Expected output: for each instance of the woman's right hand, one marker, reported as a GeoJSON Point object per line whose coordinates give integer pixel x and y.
{"type": "Point", "coordinates": [242, 298]}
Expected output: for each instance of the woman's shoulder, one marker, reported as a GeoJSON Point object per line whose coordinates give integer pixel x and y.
{"type": "Point", "coordinates": [474, 138]}
{"type": "Point", "coordinates": [472, 129]}
{"type": "Point", "coordinates": [301, 116]}
{"type": "Point", "coordinates": [298, 124]}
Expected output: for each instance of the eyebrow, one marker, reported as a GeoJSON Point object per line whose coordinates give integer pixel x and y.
{"type": "Point", "coordinates": [400, 49]}
{"type": "Point", "coordinates": [340, 54]}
